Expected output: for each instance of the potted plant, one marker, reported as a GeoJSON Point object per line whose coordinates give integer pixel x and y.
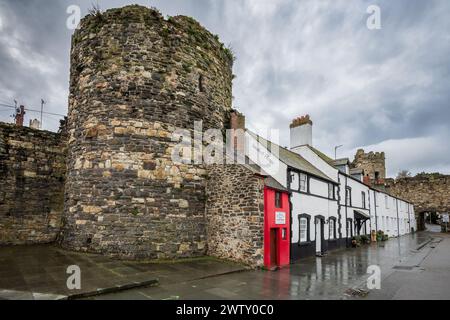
{"type": "Point", "coordinates": [365, 239]}
{"type": "Point", "coordinates": [380, 234]}
{"type": "Point", "coordinates": [356, 241]}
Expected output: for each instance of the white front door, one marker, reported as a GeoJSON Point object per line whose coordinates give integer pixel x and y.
{"type": "Point", "coordinates": [318, 236]}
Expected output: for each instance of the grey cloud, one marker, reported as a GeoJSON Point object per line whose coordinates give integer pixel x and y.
{"type": "Point", "coordinates": [373, 89]}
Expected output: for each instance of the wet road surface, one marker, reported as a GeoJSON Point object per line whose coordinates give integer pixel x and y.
{"type": "Point", "coordinates": [328, 277]}
{"type": "Point", "coordinates": [425, 275]}
{"type": "Point", "coordinates": [433, 227]}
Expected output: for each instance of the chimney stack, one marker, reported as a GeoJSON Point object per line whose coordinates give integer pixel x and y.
{"type": "Point", "coordinates": [237, 137]}
{"type": "Point", "coordinates": [301, 132]}
{"type": "Point", "coordinates": [19, 116]}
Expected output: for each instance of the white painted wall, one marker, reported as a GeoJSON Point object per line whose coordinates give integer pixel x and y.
{"type": "Point", "coordinates": [316, 161]}
{"type": "Point", "coordinates": [301, 135]}
{"type": "Point", "coordinates": [347, 212]}
{"type": "Point", "coordinates": [387, 218]}
{"type": "Point", "coordinates": [313, 206]}
{"type": "Point", "coordinates": [257, 152]}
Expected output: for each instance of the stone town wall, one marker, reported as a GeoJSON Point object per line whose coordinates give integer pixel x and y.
{"type": "Point", "coordinates": [32, 172]}
{"type": "Point", "coordinates": [135, 79]}
{"type": "Point", "coordinates": [235, 214]}
{"type": "Point", "coordinates": [428, 192]}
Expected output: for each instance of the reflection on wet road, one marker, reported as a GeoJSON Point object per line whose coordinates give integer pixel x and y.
{"type": "Point", "coordinates": [313, 278]}
{"type": "Point", "coordinates": [433, 227]}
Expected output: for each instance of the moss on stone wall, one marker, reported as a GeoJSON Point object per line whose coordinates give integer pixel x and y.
{"type": "Point", "coordinates": [134, 80]}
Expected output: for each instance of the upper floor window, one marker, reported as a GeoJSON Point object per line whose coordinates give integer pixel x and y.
{"type": "Point", "coordinates": [303, 182]}
{"type": "Point", "coordinates": [386, 200]}
{"type": "Point", "coordinates": [348, 196]}
{"type": "Point", "coordinates": [278, 201]}
{"type": "Point", "coordinates": [363, 199]}
{"type": "Point", "coordinates": [331, 191]}
{"type": "Point", "coordinates": [294, 185]}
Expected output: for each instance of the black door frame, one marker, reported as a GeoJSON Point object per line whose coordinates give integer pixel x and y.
{"type": "Point", "coordinates": [349, 223]}
{"type": "Point", "coordinates": [321, 219]}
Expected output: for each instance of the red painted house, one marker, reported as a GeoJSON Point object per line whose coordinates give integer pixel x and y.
{"type": "Point", "coordinates": [276, 225]}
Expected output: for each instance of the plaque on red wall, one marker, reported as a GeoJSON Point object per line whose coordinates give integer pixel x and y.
{"type": "Point", "coordinates": [280, 217]}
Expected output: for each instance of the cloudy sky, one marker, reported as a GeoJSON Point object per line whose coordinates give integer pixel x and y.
{"type": "Point", "coordinates": [383, 90]}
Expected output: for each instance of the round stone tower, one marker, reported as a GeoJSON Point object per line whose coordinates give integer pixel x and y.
{"type": "Point", "coordinates": [136, 78]}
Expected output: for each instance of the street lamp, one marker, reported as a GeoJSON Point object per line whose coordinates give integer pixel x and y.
{"type": "Point", "coordinates": [335, 151]}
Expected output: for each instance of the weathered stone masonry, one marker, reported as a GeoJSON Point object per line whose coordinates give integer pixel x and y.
{"type": "Point", "coordinates": [235, 214]}
{"type": "Point", "coordinates": [428, 192]}
{"type": "Point", "coordinates": [135, 78]}
{"type": "Point", "coordinates": [32, 172]}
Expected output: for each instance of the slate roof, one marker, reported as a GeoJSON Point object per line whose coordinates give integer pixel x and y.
{"type": "Point", "coordinates": [322, 155]}
{"type": "Point", "coordinates": [341, 162]}
{"type": "Point", "coordinates": [274, 184]}
{"type": "Point", "coordinates": [292, 159]}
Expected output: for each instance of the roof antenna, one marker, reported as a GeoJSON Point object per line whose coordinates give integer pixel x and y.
{"type": "Point", "coordinates": [42, 109]}
{"type": "Point", "coordinates": [335, 151]}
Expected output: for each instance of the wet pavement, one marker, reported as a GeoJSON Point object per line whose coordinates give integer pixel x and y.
{"type": "Point", "coordinates": [39, 272]}
{"type": "Point", "coordinates": [433, 228]}
{"type": "Point", "coordinates": [329, 277]}
{"type": "Point", "coordinates": [408, 272]}
{"type": "Point", "coordinates": [424, 276]}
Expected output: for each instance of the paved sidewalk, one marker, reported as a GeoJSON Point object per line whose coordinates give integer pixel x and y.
{"type": "Point", "coordinates": [39, 272]}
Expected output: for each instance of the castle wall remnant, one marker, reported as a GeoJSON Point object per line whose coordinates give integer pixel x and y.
{"type": "Point", "coordinates": [32, 172]}
{"type": "Point", "coordinates": [135, 79]}
{"type": "Point", "coordinates": [373, 165]}
{"type": "Point", "coordinates": [428, 192]}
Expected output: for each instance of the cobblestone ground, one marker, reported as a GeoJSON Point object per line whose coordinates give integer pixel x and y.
{"type": "Point", "coordinates": [329, 277]}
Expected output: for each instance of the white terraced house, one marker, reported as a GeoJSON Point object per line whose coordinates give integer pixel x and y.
{"type": "Point", "coordinates": [329, 201]}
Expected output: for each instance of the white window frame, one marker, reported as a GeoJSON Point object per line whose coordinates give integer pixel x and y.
{"type": "Point", "coordinates": [303, 178]}
{"type": "Point", "coordinates": [295, 181]}
{"type": "Point", "coordinates": [331, 192]}
{"type": "Point", "coordinates": [303, 238]}
{"type": "Point", "coordinates": [332, 229]}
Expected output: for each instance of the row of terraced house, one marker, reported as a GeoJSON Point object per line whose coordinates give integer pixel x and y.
{"type": "Point", "coordinates": [329, 200]}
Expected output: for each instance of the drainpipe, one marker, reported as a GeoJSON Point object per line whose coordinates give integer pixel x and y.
{"type": "Point", "coordinates": [339, 206]}
{"type": "Point", "coordinates": [409, 220]}
{"type": "Point", "coordinates": [398, 221]}
{"type": "Point", "coordinates": [375, 203]}
{"type": "Point", "coordinates": [290, 214]}
{"type": "Point", "coordinates": [370, 220]}
{"type": "Point", "coordinates": [346, 216]}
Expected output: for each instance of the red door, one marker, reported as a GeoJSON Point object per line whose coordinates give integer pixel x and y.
{"type": "Point", "coordinates": [273, 248]}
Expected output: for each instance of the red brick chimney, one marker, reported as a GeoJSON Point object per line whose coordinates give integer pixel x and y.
{"type": "Point", "coordinates": [366, 181]}
{"type": "Point", "coordinates": [237, 124]}
{"type": "Point", "coordinates": [19, 116]}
